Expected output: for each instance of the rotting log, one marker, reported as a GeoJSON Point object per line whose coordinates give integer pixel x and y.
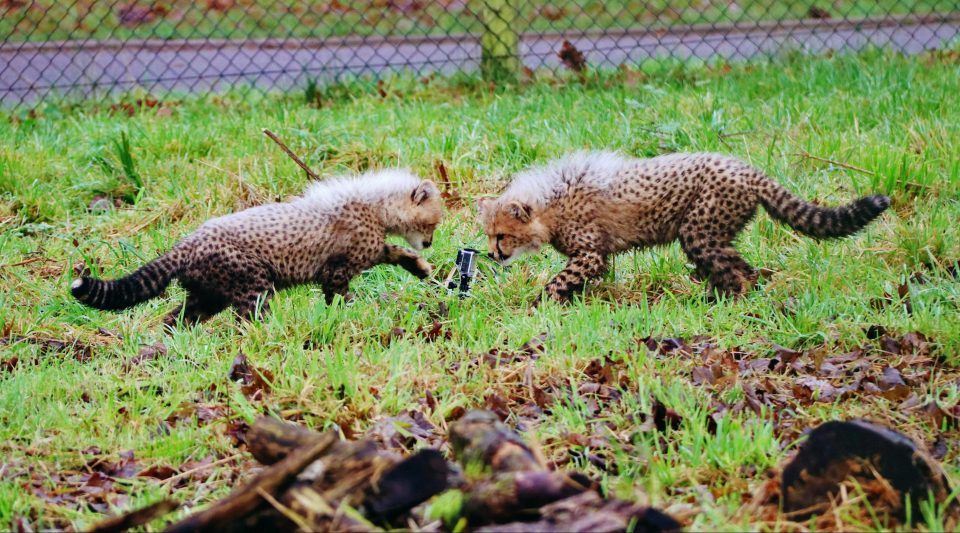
{"type": "Point", "coordinates": [480, 437]}
{"type": "Point", "coordinates": [589, 512]}
{"type": "Point", "coordinates": [228, 514]}
{"type": "Point", "coordinates": [519, 495]}
{"type": "Point", "coordinates": [408, 484]}
{"type": "Point", "coordinates": [318, 483]}
{"type": "Point", "coordinates": [522, 495]}
{"type": "Point", "coordinates": [838, 450]}
{"type": "Point", "coordinates": [351, 482]}
{"type": "Point", "coordinates": [271, 439]}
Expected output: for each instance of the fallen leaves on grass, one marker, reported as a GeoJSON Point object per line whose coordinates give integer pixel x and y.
{"type": "Point", "coordinates": [254, 382]}
{"type": "Point", "coordinates": [890, 367]}
{"type": "Point", "coordinates": [131, 108]}
{"type": "Point", "coordinates": [450, 197]}
{"type": "Point", "coordinates": [104, 482]}
{"type": "Point", "coordinates": [434, 332]}
{"type": "Point", "coordinates": [404, 432]}
{"type": "Point", "coordinates": [158, 471]}
{"type": "Point", "coordinates": [663, 417]}
{"type": "Point", "coordinates": [237, 431]}
{"type": "Point", "coordinates": [496, 357]}
{"type": "Point", "coordinates": [814, 375]}
{"type": "Point", "coordinates": [147, 353]}
{"type": "Point", "coordinates": [80, 352]}
{"type": "Point", "coordinates": [902, 298]}
{"type": "Point", "coordinates": [203, 412]}
{"type": "Point", "coordinates": [91, 486]}
{"type": "Point", "coordinates": [942, 419]}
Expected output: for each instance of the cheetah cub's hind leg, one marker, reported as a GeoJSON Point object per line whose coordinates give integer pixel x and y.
{"type": "Point", "coordinates": [707, 240]}
{"type": "Point", "coordinates": [338, 284]}
{"type": "Point", "coordinates": [199, 306]}
{"type": "Point", "coordinates": [250, 291]}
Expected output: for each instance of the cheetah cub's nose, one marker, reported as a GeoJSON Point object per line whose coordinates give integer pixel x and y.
{"type": "Point", "coordinates": [426, 244]}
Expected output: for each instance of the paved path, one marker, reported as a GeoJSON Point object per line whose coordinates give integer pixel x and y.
{"type": "Point", "coordinates": [31, 70]}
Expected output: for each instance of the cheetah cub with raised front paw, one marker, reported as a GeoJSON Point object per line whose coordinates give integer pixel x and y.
{"type": "Point", "coordinates": [327, 236]}
{"type": "Point", "coordinates": [590, 205]}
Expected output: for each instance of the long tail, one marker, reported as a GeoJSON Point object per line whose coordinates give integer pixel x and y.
{"type": "Point", "coordinates": [815, 221]}
{"type": "Point", "coordinates": [149, 281]}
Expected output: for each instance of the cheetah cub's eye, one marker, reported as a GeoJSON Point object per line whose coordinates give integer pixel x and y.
{"type": "Point", "coordinates": [500, 236]}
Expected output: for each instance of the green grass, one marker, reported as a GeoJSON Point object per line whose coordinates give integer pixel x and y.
{"type": "Point", "coordinates": [894, 118]}
{"type": "Point", "coordinates": [84, 19]}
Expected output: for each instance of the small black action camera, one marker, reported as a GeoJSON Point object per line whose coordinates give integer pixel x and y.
{"type": "Point", "coordinates": [466, 269]}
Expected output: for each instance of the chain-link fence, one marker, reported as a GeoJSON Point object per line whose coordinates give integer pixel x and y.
{"type": "Point", "coordinates": [94, 47]}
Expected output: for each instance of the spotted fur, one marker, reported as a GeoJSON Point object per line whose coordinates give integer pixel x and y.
{"type": "Point", "coordinates": [590, 205]}
{"type": "Point", "coordinates": [327, 236]}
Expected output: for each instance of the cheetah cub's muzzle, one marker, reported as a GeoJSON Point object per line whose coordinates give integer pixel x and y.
{"type": "Point", "coordinates": [513, 229]}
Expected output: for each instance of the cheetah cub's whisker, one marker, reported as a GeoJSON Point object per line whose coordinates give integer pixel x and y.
{"type": "Point", "coordinates": [592, 204]}
{"type": "Point", "coordinates": [327, 236]}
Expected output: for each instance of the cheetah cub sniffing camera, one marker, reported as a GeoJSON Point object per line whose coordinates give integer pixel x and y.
{"type": "Point", "coordinates": [327, 236]}
{"type": "Point", "coordinates": [591, 205]}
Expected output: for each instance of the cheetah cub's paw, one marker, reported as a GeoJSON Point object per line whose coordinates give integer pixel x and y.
{"type": "Point", "coordinates": [423, 268]}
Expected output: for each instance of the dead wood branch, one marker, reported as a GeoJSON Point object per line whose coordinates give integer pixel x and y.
{"type": "Point", "coordinates": [841, 164]}
{"type": "Point", "coordinates": [480, 437]}
{"type": "Point", "coordinates": [313, 175]}
{"type": "Point", "coordinates": [140, 517]}
{"type": "Point", "coordinates": [519, 495]}
{"type": "Point", "coordinates": [227, 514]}
{"type": "Point", "coordinates": [271, 440]}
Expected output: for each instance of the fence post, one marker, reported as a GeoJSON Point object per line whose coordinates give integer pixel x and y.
{"type": "Point", "coordinates": [499, 58]}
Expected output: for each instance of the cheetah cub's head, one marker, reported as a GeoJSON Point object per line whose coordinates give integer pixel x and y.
{"type": "Point", "coordinates": [421, 215]}
{"type": "Point", "coordinates": [512, 227]}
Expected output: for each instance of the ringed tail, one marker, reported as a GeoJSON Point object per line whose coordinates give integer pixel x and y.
{"type": "Point", "coordinates": [149, 281]}
{"type": "Point", "coordinates": [819, 222]}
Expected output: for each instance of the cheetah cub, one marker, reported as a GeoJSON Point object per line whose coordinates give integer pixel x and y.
{"type": "Point", "coordinates": [593, 204]}
{"type": "Point", "coordinates": [327, 236]}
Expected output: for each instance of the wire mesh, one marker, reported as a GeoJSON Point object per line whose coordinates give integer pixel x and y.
{"type": "Point", "coordinates": [55, 48]}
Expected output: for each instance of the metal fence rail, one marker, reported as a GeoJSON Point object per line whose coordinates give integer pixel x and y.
{"type": "Point", "coordinates": [51, 48]}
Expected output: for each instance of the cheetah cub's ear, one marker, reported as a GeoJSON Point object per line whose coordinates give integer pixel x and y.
{"type": "Point", "coordinates": [484, 204]}
{"type": "Point", "coordinates": [520, 211]}
{"type": "Point", "coordinates": [424, 192]}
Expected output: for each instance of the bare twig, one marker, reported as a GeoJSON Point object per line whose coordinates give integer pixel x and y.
{"type": "Point", "coordinates": [271, 440]}
{"type": "Point", "coordinates": [139, 517]}
{"type": "Point", "coordinates": [736, 133]}
{"type": "Point", "coordinates": [289, 152]}
{"type": "Point", "coordinates": [173, 479]}
{"type": "Point", "coordinates": [25, 262]}
{"type": "Point", "coordinates": [833, 162]}
{"type": "Point", "coordinates": [722, 136]}
{"type": "Point", "coordinates": [139, 227]}
{"type": "Point", "coordinates": [244, 500]}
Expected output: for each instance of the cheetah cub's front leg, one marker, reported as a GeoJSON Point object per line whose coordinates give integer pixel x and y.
{"type": "Point", "coordinates": [581, 267]}
{"type": "Point", "coordinates": [406, 259]}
